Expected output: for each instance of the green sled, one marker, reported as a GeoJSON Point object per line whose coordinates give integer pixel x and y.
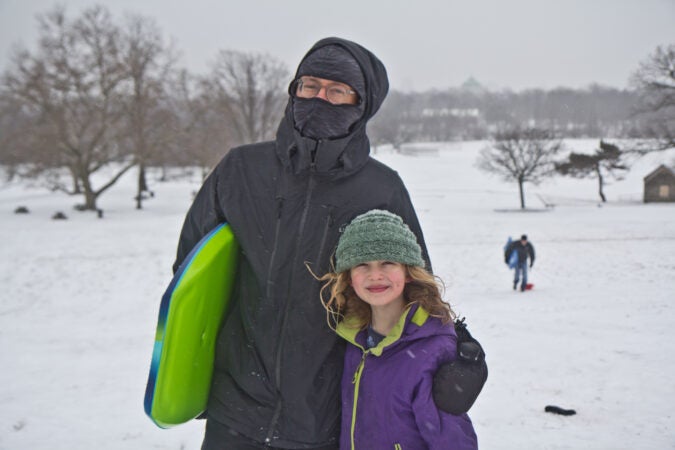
{"type": "Point", "coordinates": [190, 315]}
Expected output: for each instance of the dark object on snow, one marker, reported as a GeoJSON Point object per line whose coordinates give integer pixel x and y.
{"type": "Point", "coordinates": [59, 216]}
{"type": "Point", "coordinates": [559, 410]}
{"type": "Point", "coordinates": [457, 384]}
{"type": "Point", "coordinates": [99, 212]}
{"type": "Point", "coordinates": [21, 210]}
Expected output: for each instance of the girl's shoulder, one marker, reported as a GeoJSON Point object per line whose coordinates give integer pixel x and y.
{"type": "Point", "coordinates": [423, 325]}
{"type": "Point", "coordinates": [434, 341]}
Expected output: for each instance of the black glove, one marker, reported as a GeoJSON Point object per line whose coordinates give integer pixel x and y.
{"type": "Point", "coordinates": [531, 264]}
{"type": "Point", "coordinates": [457, 384]}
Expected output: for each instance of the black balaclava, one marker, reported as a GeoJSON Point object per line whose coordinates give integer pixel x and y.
{"type": "Point", "coordinates": [316, 118]}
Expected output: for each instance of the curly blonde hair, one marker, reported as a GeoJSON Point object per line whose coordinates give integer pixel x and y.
{"type": "Point", "coordinates": [423, 288]}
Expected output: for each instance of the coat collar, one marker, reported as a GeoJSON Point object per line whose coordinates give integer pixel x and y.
{"type": "Point", "coordinates": [333, 158]}
{"type": "Point", "coordinates": [413, 314]}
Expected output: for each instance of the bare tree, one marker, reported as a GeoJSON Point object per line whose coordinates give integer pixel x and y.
{"type": "Point", "coordinates": [655, 81]}
{"type": "Point", "coordinates": [201, 133]}
{"type": "Point", "coordinates": [148, 60]}
{"type": "Point", "coordinates": [521, 155]}
{"type": "Point", "coordinates": [607, 161]}
{"type": "Point", "coordinates": [251, 92]}
{"type": "Point", "coordinates": [71, 86]}
{"type": "Point", "coordinates": [14, 123]}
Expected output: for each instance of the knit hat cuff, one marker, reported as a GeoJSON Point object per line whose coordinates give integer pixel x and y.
{"type": "Point", "coordinates": [333, 62]}
{"type": "Point", "coordinates": [373, 254]}
{"type": "Point", "coordinates": [377, 235]}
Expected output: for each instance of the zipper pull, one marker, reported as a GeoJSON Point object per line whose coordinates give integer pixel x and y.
{"type": "Point", "coordinates": [330, 215]}
{"type": "Point", "coordinates": [359, 368]}
{"type": "Point", "coordinates": [280, 204]}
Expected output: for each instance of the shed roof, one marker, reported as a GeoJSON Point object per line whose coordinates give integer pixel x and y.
{"type": "Point", "coordinates": [661, 169]}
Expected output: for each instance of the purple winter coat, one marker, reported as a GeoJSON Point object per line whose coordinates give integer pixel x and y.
{"type": "Point", "coordinates": [386, 390]}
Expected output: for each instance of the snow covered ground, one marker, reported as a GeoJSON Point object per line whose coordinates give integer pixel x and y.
{"type": "Point", "coordinates": [79, 301]}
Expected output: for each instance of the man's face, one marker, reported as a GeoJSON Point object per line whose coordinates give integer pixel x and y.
{"type": "Point", "coordinates": [328, 90]}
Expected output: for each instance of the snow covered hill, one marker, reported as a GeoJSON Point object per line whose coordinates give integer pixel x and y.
{"type": "Point", "coordinates": [80, 297]}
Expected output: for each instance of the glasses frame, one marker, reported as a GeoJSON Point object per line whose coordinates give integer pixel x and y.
{"type": "Point", "coordinates": [296, 85]}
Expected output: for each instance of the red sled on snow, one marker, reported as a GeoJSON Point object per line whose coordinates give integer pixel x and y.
{"type": "Point", "coordinates": [529, 286]}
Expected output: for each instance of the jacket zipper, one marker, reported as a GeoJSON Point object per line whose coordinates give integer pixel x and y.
{"type": "Point", "coordinates": [277, 372]}
{"type": "Point", "coordinates": [324, 236]}
{"type": "Point", "coordinates": [277, 228]}
{"type": "Point", "coordinates": [356, 381]}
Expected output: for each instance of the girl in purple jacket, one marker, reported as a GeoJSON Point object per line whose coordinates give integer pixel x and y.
{"type": "Point", "coordinates": [383, 302]}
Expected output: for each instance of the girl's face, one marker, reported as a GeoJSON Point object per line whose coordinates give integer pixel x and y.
{"type": "Point", "coordinates": [380, 283]}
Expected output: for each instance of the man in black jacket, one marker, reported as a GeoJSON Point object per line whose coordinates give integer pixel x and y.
{"type": "Point", "coordinates": [278, 365]}
{"type": "Point", "coordinates": [523, 249]}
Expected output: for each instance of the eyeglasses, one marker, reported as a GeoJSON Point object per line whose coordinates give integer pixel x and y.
{"type": "Point", "coordinates": [336, 93]}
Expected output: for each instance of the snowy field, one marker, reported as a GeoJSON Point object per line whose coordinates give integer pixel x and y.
{"type": "Point", "coordinates": [80, 297]}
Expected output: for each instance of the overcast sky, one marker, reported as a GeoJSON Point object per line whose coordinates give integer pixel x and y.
{"type": "Point", "coordinates": [423, 43]}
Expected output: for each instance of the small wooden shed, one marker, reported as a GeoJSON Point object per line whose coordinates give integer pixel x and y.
{"type": "Point", "coordinates": [660, 185]}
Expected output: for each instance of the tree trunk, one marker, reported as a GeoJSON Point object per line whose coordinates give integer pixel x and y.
{"type": "Point", "coordinates": [89, 196]}
{"type": "Point", "coordinates": [142, 186]}
{"type": "Point", "coordinates": [522, 193]}
{"type": "Point", "coordinates": [600, 184]}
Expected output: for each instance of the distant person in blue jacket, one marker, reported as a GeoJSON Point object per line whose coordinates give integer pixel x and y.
{"type": "Point", "coordinates": [523, 249]}
{"type": "Point", "coordinates": [382, 301]}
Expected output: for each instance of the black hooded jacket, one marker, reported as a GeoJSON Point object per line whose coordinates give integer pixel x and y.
{"type": "Point", "coordinates": [523, 252]}
{"type": "Point", "coordinates": [278, 365]}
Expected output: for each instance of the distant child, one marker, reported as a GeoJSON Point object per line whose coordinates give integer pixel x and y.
{"type": "Point", "coordinates": [389, 308]}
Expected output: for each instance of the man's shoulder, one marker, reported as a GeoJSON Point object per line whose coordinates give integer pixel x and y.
{"type": "Point", "coordinates": [253, 150]}
{"type": "Point", "coordinates": [377, 168]}
{"type": "Point", "coordinates": [248, 155]}
{"type": "Point", "coordinates": [376, 164]}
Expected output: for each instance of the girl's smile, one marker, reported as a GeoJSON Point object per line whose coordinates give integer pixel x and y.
{"type": "Point", "coordinates": [377, 288]}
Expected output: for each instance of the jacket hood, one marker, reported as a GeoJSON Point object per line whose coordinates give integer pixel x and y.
{"type": "Point", "coordinates": [374, 72]}
{"type": "Point", "coordinates": [415, 323]}
{"type": "Point", "coordinates": [347, 154]}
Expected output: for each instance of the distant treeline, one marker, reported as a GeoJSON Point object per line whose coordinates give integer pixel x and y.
{"type": "Point", "coordinates": [472, 112]}
{"type": "Point", "coordinates": [96, 91]}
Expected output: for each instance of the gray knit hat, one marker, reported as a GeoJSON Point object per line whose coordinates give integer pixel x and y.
{"type": "Point", "coordinates": [377, 236]}
{"type": "Point", "coordinates": [334, 62]}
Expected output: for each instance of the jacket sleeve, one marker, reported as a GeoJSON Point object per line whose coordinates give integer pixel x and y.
{"type": "Point", "coordinates": [530, 249]}
{"type": "Point", "coordinates": [441, 430]}
{"type": "Point", "coordinates": [204, 214]}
